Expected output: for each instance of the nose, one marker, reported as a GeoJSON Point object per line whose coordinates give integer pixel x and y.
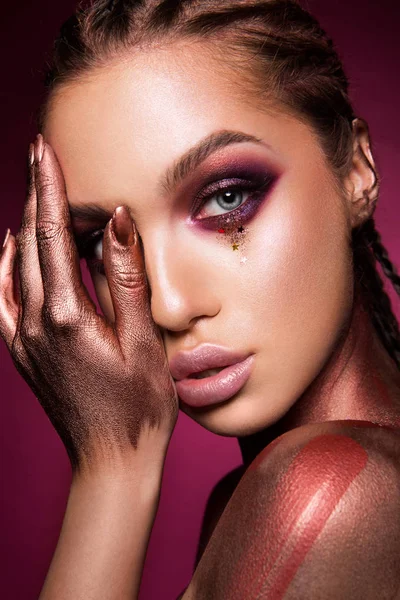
{"type": "Point", "coordinates": [179, 286]}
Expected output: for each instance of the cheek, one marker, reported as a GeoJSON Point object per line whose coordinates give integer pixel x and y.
{"type": "Point", "coordinates": [298, 282]}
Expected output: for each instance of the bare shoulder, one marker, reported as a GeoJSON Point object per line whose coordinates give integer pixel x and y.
{"type": "Point", "coordinates": [316, 515]}
{"type": "Point", "coordinates": [339, 439]}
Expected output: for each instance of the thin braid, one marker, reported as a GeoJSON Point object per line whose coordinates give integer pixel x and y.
{"type": "Point", "coordinates": [381, 254]}
{"type": "Point", "coordinates": [368, 248]}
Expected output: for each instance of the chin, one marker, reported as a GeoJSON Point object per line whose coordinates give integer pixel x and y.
{"type": "Point", "coordinates": [238, 416]}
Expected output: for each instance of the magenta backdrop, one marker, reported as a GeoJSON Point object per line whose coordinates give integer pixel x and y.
{"type": "Point", "coordinates": [35, 469]}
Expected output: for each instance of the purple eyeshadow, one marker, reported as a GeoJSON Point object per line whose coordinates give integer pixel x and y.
{"type": "Point", "coordinates": [257, 185]}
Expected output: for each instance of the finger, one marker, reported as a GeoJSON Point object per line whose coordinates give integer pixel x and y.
{"type": "Point", "coordinates": [58, 255]}
{"type": "Point", "coordinates": [127, 281]}
{"type": "Point", "coordinates": [30, 276]}
{"type": "Point", "coordinates": [8, 304]}
{"type": "Point", "coordinates": [13, 339]}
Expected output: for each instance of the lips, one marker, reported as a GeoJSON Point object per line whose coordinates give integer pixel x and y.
{"type": "Point", "coordinates": [206, 356]}
{"type": "Point", "coordinates": [216, 388]}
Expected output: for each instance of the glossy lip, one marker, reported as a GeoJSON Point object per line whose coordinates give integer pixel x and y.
{"type": "Point", "coordinates": [205, 356]}
{"type": "Point", "coordinates": [216, 388]}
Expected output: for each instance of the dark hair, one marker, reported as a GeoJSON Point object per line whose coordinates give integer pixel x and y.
{"type": "Point", "coordinates": [291, 56]}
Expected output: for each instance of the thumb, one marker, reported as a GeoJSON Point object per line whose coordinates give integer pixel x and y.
{"type": "Point", "coordinates": [127, 280]}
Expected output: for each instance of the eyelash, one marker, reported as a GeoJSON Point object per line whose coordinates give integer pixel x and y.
{"type": "Point", "coordinates": [86, 245]}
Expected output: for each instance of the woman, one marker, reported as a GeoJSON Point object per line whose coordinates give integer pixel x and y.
{"type": "Point", "coordinates": [206, 161]}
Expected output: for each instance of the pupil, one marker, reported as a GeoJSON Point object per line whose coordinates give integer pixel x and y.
{"type": "Point", "coordinates": [228, 198]}
{"type": "Point", "coordinates": [230, 195]}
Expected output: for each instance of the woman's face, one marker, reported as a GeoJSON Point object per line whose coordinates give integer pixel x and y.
{"type": "Point", "coordinates": [275, 280]}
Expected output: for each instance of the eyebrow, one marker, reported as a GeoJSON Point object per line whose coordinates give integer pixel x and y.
{"type": "Point", "coordinates": [177, 172]}
{"type": "Point", "coordinates": [192, 158]}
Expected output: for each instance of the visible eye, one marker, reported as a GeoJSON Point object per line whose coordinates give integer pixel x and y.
{"type": "Point", "coordinates": [90, 247]}
{"type": "Point", "coordinates": [225, 200]}
{"type": "Point", "coordinates": [236, 198]}
{"type": "Point", "coordinates": [98, 248]}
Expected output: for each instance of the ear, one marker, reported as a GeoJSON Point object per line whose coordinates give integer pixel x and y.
{"type": "Point", "coordinates": [362, 181]}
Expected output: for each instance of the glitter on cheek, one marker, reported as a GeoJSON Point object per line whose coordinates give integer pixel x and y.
{"type": "Point", "coordinates": [235, 234]}
{"type": "Point", "coordinates": [230, 227]}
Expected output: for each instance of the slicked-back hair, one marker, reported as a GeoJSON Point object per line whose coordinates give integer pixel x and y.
{"type": "Point", "coordinates": [284, 50]}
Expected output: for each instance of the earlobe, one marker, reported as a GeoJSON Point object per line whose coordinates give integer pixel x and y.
{"type": "Point", "coordinates": [363, 209]}
{"type": "Point", "coordinates": [363, 179]}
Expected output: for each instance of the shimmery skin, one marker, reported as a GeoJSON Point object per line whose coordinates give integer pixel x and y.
{"type": "Point", "coordinates": [384, 394]}
{"type": "Point", "coordinates": [235, 232]}
{"type": "Point", "coordinates": [263, 454]}
{"type": "Point", "coordinates": [316, 475]}
{"type": "Point", "coordinates": [101, 426]}
{"type": "Point", "coordinates": [335, 450]}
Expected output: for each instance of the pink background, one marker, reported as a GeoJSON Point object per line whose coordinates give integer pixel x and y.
{"type": "Point", "coordinates": [35, 468]}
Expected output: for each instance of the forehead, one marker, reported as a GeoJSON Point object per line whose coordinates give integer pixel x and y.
{"type": "Point", "coordinates": [119, 129]}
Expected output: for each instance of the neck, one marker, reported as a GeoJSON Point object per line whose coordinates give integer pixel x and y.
{"type": "Point", "coordinates": [359, 381]}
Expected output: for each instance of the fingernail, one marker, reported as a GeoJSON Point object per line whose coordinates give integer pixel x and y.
{"type": "Point", "coordinates": [7, 236]}
{"type": "Point", "coordinates": [31, 154]}
{"type": "Point", "coordinates": [39, 148]}
{"type": "Point", "coordinates": [123, 227]}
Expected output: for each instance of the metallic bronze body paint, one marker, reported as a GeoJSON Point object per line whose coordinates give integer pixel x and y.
{"type": "Point", "coordinates": [387, 401]}
{"type": "Point", "coordinates": [305, 498]}
{"type": "Point", "coordinates": [92, 378]}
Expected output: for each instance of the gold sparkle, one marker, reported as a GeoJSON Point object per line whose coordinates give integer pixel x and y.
{"type": "Point", "coordinates": [235, 246]}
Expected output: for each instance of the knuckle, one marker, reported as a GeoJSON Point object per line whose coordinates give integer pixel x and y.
{"type": "Point", "coordinates": [129, 278]}
{"type": "Point", "coordinates": [30, 333]}
{"type": "Point", "coordinates": [47, 230]}
{"type": "Point", "coordinates": [59, 317]}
